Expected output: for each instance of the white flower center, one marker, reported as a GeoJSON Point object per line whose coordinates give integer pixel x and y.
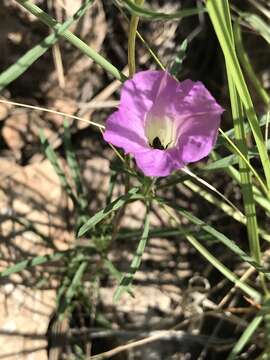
{"type": "Point", "coordinates": [161, 133]}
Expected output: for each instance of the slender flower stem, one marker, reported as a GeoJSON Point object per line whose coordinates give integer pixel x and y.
{"type": "Point", "coordinates": [132, 40]}
{"type": "Point", "coordinates": [132, 65]}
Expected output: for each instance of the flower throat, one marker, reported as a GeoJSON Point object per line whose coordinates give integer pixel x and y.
{"type": "Point", "coordinates": [156, 144]}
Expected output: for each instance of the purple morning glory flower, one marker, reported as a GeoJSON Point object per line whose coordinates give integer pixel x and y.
{"type": "Point", "coordinates": [163, 123]}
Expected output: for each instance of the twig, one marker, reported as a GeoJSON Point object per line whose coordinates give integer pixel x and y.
{"type": "Point", "coordinates": [157, 335]}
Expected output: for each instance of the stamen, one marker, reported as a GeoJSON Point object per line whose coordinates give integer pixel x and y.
{"type": "Point", "coordinates": [156, 144]}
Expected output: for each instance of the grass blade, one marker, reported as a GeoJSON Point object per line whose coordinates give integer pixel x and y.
{"type": "Point", "coordinates": [51, 155]}
{"type": "Point", "coordinates": [73, 39]}
{"type": "Point", "coordinates": [75, 283]}
{"type": "Point", "coordinates": [177, 65]}
{"type": "Point", "coordinates": [21, 65]}
{"type": "Point", "coordinates": [149, 14]}
{"type": "Point", "coordinates": [217, 235]}
{"type": "Point", "coordinates": [37, 260]}
{"type": "Point", "coordinates": [258, 24]}
{"type": "Point", "coordinates": [127, 279]}
{"type": "Point", "coordinates": [220, 17]}
{"type": "Point", "coordinates": [235, 174]}
{"type": "Point", "coordinates": [230, 211]}
{"type": "Point", "coordinates": [231, 133]}
{"type": "Point", "coordinates": [245, 337]}
{"type": "Point", "coordinates": [74, 167]}
{"type": "Point", "coordinates": [223, 269]}
{"type": "Point", "coordinates": [115, 205]}
{"type": "Point", "coordinates": [244, 59]}
{"type": "Point", "coordinates": [231, 160]}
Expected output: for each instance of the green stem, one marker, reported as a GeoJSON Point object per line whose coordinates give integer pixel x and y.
{"type": "Point", "coordinates": [73, 39]}
{"type": "Point", "coordinates": [132, 41]}
{"type": "Point", "coordinates": [243, 57]}
{"type": "Point", "coordinates": [254, 294]}
{"type": "Point", "coordinates": [220, 16]}
{"type": "Point", "coordinates": [245, 175]}
{"type": "Point", "coordinates": [24, 62]}
{"type": "Point", "coordinates": [243, 340]}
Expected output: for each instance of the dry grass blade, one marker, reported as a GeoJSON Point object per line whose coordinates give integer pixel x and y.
{"type": "Point", "coordinates": [38, 108]}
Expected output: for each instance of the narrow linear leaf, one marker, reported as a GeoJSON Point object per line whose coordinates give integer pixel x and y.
{"type": "Point", "coordinates": [246, 63]}
{"type": "Point", "coordinates": [177, 65]}
{"type": "Point", "coordinates": [218, 235]}
{"type": "Point", "coordinates": [43, 259]}
{"type": "Point", "coordinates": [149, 14]}
{"type": "Point", "coordinates": [73, 39]}
{"type": "Point", "coordinates": [127, 279]}
{"type": "Point", "coordinates": [113, 178]}
{"type": "Point", "coordinates": [51, 155]}
{"type": "Point", "coordinates": [232, 159]}
{"type": "Point", "coordinates": [170, 232]}
{"type": "Point", "coordinates": [225, 207]}
{"type": "Point", "coordinates": [74, 167]}
{"type": "Point", "coordinates": [237, 105]}
{"type": "Point", "coordinates": [258, 24]}
{"type": "Point", "coordinates": [115, 205]}
{"type": "Point", "coordinates": [220, 18]}
{"type": "Point", "coordinates": [223, 269]}
{"type": "Point", "coordinates": [37, 260]}
{"type": "Point", "coordinates": [112, 269]}
{"type": "Point", "coordinates": [245, 337]}
{"type": "Point", "coordinates": [22, 64]}
{"type": "Point", "coordinates": [231, 133]}
{"type": "Point", "coordinates": [76, 281]}
{"type": "Point", "coordinates": [235, 174]}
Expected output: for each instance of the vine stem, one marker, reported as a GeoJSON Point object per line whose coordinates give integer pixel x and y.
{"type": "Point", "coordinates": [132, 41]}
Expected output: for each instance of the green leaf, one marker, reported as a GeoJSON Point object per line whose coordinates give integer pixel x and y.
{"type": "Point", "coordinates": [21, 65]}
{"type": "Point", "coordinates": [231, 159]}
{"type": "Point", "coordinates": [245, 337]}
{"type": "Point", "coordinates": [246, 64]}
{"type": "Point", "coordinates": [177, 65]}
{"type": "Point", "coordinates": [127, 279]}
{"type": "Point", "coordinates": [43, 259]}
{"type": "Point", "coordinates": [112, 269]}
{"type": "Point", "coordinates": [231, 133]}
{"type": "Point", "coordinates": [217, 235]}
{"type": "Point", "coordinates": [76, 282]}
{"type": "Point", "coordinates": [224, 270]}
{"type": "Point", "coordinates": [115, 205]}
{"type": "Point", "coordinates": [149, 14]}
{"type": "Point", "coordinates": [221, 163]}
{"type": "Point", "coordinates": [73, 39]}
{"type": "Point", "coordinates": [258, 24]}
{"type": "Point", "coordinates": [113, 178]}
{"type": "Point", "coordinates": [74, 168]}
{"type": "Point", "coordinates": [51, 155]}
{"type": "Point", "coordinates": [163, 232]}
{"type": "Point", "coordinates": [220, 17]}
{"type": "Point", "coordinates": [37, 260]}
{"type": "Point", "coordinates": [235, 175]}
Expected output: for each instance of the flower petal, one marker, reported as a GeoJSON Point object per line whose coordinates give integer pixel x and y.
{"type": "Point", "coordinates": [126, 131]}
{"type": "Point", "coordinates": [197, 100]}
{"type": "Point", "coordinates": [183, 116]}
{"type": "Point", "coordinates": [140, 92]}
{"type": "Point", "coordinates": [158, 162]}
{"type": "Point", "coordinates": [199, 137]}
